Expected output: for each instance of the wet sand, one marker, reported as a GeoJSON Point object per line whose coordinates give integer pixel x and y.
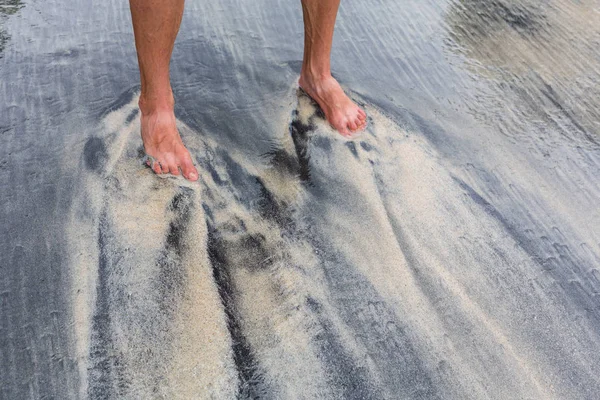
{"type": "Point", "coordinates": [452, 250]}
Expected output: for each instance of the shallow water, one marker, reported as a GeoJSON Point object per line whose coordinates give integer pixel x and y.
{"type": "Point", "coordinates": [450, 251]}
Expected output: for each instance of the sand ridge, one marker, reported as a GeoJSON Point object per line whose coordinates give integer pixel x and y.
{"type": "Point", "coordinates": [333, 267]}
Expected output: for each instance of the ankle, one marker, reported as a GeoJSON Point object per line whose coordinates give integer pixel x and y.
{"type": "Point", "coordinates": [315, 75]}
{"type": "Point", "coordinates": [152, 103]}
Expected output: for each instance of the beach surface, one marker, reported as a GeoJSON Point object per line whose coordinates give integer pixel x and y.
{"type": "Point", "coordinates": [449, 251]}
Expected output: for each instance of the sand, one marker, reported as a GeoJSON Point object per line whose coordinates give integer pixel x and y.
{"type": "Point", "coordinates": [451, 250]}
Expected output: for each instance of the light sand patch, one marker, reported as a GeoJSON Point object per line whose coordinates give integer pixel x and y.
{"type": "Point", "coordinates": [378, 272]}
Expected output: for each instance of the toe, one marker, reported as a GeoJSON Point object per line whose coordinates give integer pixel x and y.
{"type": "Point", "coordinates": [171, 165]}
{"type": "Point", "coordinates": [352, 125]}
{"type": "Point", "coordinates": [360, 123]}
{"type": "Point", "coordinates": [343, 129]}
{"type": "Point", "coordinates": [156, 167]}
{"type": "Point", "coordinates": [164, 165]}
{"type": "Point", "coordinates": [188, 169]}
{"type": "Point", "coordinates": [361, 114]}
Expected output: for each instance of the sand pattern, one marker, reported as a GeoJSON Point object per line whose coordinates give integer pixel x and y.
{"type": "Point", "coordinates": [299, 280]}
{"type": "Point", "coordinates": [451, 250]}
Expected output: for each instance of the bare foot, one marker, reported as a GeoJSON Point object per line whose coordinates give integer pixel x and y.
{"type": "Point", "coordinates": [163, 143]}
{"type": "Point", "coordinates": [341, 112]}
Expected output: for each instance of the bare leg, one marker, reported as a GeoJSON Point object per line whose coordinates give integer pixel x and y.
{"type": "Point", "coordinates": [155, 25]}
{"type": "Point", "coordinates": [315, 78]}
